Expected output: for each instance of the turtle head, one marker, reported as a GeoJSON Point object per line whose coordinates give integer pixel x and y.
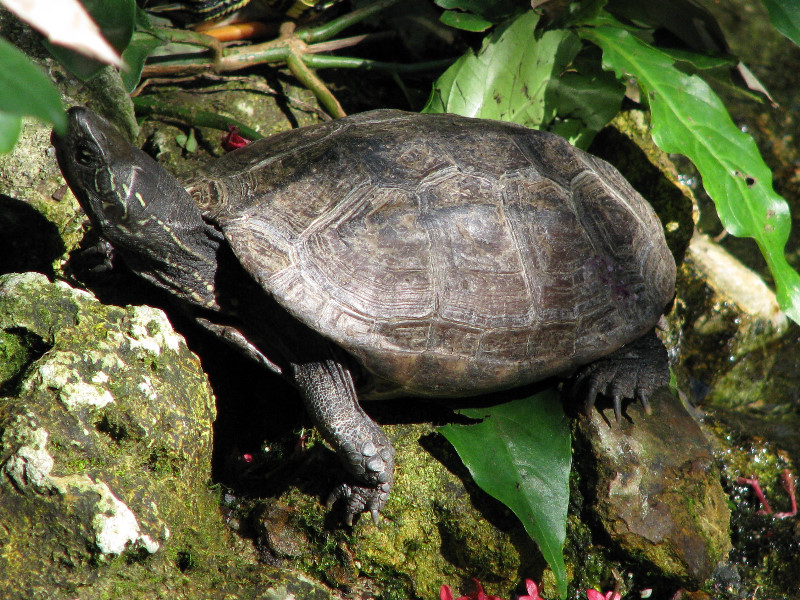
{"type": "Point", "coordinates": [140, 208]}
{"type": "Point", "coordinates": [118, 186]}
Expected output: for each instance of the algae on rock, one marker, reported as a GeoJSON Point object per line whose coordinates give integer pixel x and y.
{"type": "Point", "coordinates": [105, 455]}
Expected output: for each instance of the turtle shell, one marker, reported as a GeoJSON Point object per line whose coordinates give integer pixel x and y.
{"type": "Point", "coordinates": [451, 256]}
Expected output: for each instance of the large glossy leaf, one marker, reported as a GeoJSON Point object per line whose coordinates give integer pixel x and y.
{"type": "Point", "coordinates": [520, 453]}
{"type": "Point", "coordinates": [503, 81]}
{"type": "Point", "coordinates": [785, 17]}
{"type": "Point", "coordinates": [689, 118]}
{"type": "Point", "coordinates": [142, 45]}
{"type": "Point", "coordinates": [65, 23]}
{"type": "Point", "coordinates": [26, 90]}
{"type": "Point", "coordinates": [583, 100]}
{"type": "Point", "coordinates": [465, 21]}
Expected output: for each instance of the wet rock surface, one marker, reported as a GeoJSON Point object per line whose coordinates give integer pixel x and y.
{"type": "Point", "coordinates": [652, 484]}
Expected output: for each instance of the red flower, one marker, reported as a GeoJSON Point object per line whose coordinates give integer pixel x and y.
{"type": "Point", "coordinates": [595, 595]}
{"type": "Point", "coordinates": [533, 591]}
{"type": "Point", "coordinates": [446, 593]}
{"type": "Point", "coordinates": [232, 140]}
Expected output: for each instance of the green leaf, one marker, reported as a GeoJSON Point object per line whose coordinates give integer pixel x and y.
{"type": "Point", "coordinates": [491, 11]}
{"type": "Point", "coordinates": [10, 126]}
{"type": "Point", "coordinates": [26, 90]}
{"type": "Point", "coordinates": [689, 118]}
{"type": "Point", "coordinates": [541, 83]}
{"type": "Point", "coordinates": [116, 19]}
{"type": "Point", "coordinates": [700, 62]}
{"type": "Point", "coordinates": [521, 454]}
{"type": "Point", "coordinates": [506, 80]}
{"type": "Point", "coordinates": [577, 13]}
{"type": "Point", "coordinates": [465, 21]}
{"type": "Point", "coordinates": [583, 100]}
{"type": "Point", "coordinates": [785, 17]}
{"type": "Point", "coordinates": [142, 45]}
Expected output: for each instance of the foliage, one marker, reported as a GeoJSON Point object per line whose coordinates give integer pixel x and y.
{"type": "Point", "coordinates": [542, 76]}
{"type": "Point", "coordinates": [40, 99]}
{"type": "Point", "coordinates": [785, 17]}
{"type": "Point", "coordinates": [520, 453]}
{"type": "Point", "coordinates": [689, 118]}
{"type": "Point", "coordinates": [116, 19]}
{"type": "Point", "coordinates": [512, 78]}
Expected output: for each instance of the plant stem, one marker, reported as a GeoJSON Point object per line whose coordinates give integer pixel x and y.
{"type": "Point", "coordinates": [328, 30]}
{"type": "Point", "coordinates": [185, 36]}
{"type": "Point", "coordinates": [304, 75]}
{"type": "Point", "coordinates": [319, 61]}
{"type": "Point", "coordinates": [147, 106]}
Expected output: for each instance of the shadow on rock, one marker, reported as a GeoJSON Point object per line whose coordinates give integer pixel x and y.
{"type": "Point", "coordinates": [31, 242]}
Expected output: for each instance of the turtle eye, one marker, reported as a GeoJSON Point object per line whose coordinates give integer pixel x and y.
{"type": "Point", "coordinates": [84, 155]}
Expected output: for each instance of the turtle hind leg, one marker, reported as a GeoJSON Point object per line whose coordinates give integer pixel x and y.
{"type": "Point", "coordinates": [330, 398]}
{"type": "Point", "coordinates": [633, 372]}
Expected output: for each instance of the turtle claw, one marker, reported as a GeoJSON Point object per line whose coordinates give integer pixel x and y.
{"type": "Point", "coordinates": [359, 499]}
{"type": "Point", "coordinates": [618, 408]}
{"type": "Point", "coordinates": [633, 372]}
{"type": "Point", "coordinates": [643, 398]}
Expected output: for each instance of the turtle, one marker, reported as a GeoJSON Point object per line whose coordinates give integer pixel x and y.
{"type": "Point", "coordinates": [391, 254]}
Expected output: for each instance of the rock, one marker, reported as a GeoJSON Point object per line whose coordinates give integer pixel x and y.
{"type": "Point", "coordinates": [106, 433]}
{"type": "Point", "coordinates": [728, 326]}
{"type": "Point", "coordinates": [652, 484]}
{"type": "Point", "coordinates": [105, 457]}
{"type": "Point", "coordinates": [437, 527]}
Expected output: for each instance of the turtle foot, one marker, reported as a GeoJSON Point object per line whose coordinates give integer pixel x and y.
{"type": "Point", "coordinates": [359, 442]}
{"type": "Point", "coordinates": [371, 462]}
{"type": "Point", "coordinates": [633, 372]}
{"type": "Point", "coordinates": [360, 499]}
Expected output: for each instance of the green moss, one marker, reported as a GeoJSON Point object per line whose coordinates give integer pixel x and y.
{"type": "Point", "coordinates": [149, 449]}
{"type": "Point", "coordinates": [14, 355]}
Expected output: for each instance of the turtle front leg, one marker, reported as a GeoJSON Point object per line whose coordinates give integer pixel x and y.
{"type": "Point", "coordinates": [330, 397]}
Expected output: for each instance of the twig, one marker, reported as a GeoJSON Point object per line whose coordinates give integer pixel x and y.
{"type": "Point", "coordinates": [330, 29]}
{"type": "Point", "coordinates": [148, 106]}
{"type": "Point", "coordinates": [347, 62]}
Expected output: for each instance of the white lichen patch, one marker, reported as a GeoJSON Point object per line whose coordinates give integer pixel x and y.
{"type": "Point", "coordinates": [149, 544]}
{"type": "Point", "coordinates": [56, 373]}
{"type": "Point", "coordinates": [100, 378]}
{"type": "Point", "coordinates": [115, 526]}
{"type": "Point", "coordinates": [76, 293]}
{"type": "Point", "coordinates": [13, 284]}
{"type": "Point", "coordinates": [147, 388]}
{"type": "Point", "coordinates": [30, 464]}
{"type": "Point", "coordinates": [109, 361]}
{"type": "Point", "coordinates": [279, 593]}
{"type": "Point", "coordinates": [151, 330]}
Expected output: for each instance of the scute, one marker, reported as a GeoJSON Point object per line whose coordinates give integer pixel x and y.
{"type": "Point", "coordinates": [449, 255]}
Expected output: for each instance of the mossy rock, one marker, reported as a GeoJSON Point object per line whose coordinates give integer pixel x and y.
{"type": "Point", "coordinates": [105, 458]}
